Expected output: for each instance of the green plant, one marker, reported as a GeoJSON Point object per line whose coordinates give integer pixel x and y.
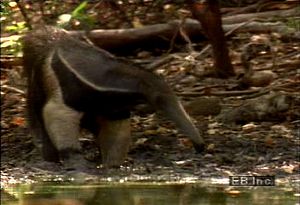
{"type": "Point", "coordinates": [13, 27]}
{"type": "Point", "coordinates": [294, 23]}
{"type": "Point", "coordinates": [78, 17]}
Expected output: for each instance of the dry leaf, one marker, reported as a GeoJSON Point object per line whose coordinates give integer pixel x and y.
{"type": "Point", "coordinates": [19, 121]}
{"type": "Point", "coordinates": [211, 147]}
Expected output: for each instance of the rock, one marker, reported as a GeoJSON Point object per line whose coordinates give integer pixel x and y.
{"type": "Point", "coordinates": [258, 79]}
{"type": "Point", "coordinates": [144, 54]}
{"type": "Point", "coordinates": [250, 127]}
{"type": "Point", "coordinates": [204, 106]}
{"type": "Point", "coordinates": [270, 107]}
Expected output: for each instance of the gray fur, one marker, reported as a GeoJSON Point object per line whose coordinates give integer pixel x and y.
{"type": "Point", "coordinates": [57, 123]}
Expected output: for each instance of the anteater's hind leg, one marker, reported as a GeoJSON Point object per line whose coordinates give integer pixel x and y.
{"type": "Point", "coordinates": [114, 140]}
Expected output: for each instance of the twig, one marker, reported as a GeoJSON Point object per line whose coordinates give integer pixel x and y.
{"type": "Point", "coordinates": [172, 41]}
{"type": "Point", "coordinates": [185, 36]}
{"type": "Point", "coordinates": [219, 93]}
{"type": "Point", "coordinates": [170, 57]}
{"type": "Point", "coordinates": [268, 89]}
{"type": "Point", "coordinates": [17, 90]}
{"type": "Point", "coordinates": [159, 62]}
{"type": "Point", "coordinates": [226, 34]}
{"type": "Point", "coordinates": [24, 14]}
{"type": "Point", "coordinates": [254, 95]}
{"type": "Point", "coordinates": [200, 89]}
{"type": "Point", "coordinates": [10, 61]}
{"type": "Point", "coordinates": [294, 85]}
{"type": "Point", "coordinates": [247, 9]}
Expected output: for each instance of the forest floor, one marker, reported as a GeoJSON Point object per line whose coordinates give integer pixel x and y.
{"type": "Point", "coordinates": [158, 151]}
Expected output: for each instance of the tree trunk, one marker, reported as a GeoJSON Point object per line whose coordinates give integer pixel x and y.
{"type": "Point", "coordinates": [208, 14]}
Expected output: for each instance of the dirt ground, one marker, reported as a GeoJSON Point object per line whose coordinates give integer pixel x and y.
{"type": "Point", "coordinates": [158, 152]}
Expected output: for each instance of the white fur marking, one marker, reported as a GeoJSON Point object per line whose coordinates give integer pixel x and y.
{"type": "Point", "coordinates": [86, 81]}
{"type": "Point", "coordinates": [60, 120]}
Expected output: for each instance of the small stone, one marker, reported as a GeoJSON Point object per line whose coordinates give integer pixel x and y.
{"type": "Point", "coordinates": [250, 127]}
{"type": "Point", "coordinates": [204, 106]}
{"type": "Point", "coordinates": [144, 54]}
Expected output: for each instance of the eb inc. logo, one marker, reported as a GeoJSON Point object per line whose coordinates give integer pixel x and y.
{"type": "Point", "coordinates": [252, 180]}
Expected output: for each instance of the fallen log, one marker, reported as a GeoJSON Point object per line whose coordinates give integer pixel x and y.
{"type": "Point", "coordinates": [270, 107]}
{"type": "Point", "coordinates": [159, 35]}
{"type": "Point", "coordinates": [262, 15]}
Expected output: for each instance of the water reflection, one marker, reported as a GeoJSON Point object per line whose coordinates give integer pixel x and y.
{"type": "Point", "coordinates": [145, 194]}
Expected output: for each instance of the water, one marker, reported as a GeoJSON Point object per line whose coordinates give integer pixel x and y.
{"type": "Point", "coordinates": [146, 194]}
